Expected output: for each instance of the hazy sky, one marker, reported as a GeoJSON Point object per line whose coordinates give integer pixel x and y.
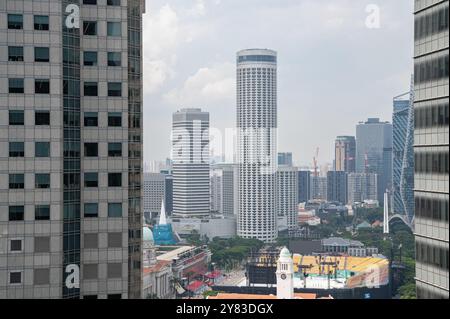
{"type": "Point", "coordinates": [333, 72]}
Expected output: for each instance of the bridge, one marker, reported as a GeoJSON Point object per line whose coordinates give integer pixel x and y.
{"type": "Point", "coordinates": [403, 218]}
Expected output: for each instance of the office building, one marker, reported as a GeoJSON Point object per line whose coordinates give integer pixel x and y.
{"type": "Point", "coordinates": [287, 195]}
{"type": "Point", "coordinates": [362, 187]}
{"type": "Point", "coordinates": [345, 154]}
{"type": "Point", "coordinates": [285, 159]}
{"type": "Point", "coordinates": [431, 147]}
{"type": "Point", "coordinates": [257, 143]}
{"type": "Point", "coordinates": [154, 194]}
{"type": "Point", "coordinates": [223, 197]}
{"type": "Point", "coordinates": [304, 186]}
{"type": "Point", "coordinates": [374, 152]}
{"type": "Point", "coordinates": [71, 149]}
{"type": "Point", "coordinates": [403, 157]}
{"type": "Point", "coordinates": [337, 189]}
{"type": "Point", "coordinates": [190, 155]}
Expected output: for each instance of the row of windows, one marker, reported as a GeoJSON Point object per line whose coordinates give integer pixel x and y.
{"type": "Point", "coordinates": [114, 89]}
{"type": "Point", "coordinates": [90, 58]}
{"type": "Point", "coordinates": [109, 2]}
{"type": "Point", "coordinates": [424, 293]}
{"type": "Point", "coordinates": [42, 149]}
{"type": "Point", "coordinates": [432, 209]}
{"type": "Point", "coordinates": [41, 54]}
{"type": "Point", "coordinates": [114, 29]}
{"type": "Point", "coordinates": [431, 163]}
{"type": "Point", "coordinates": [432, 255]}
{"type": "Point", "coordinates": [42, 181]}
{"type": "Point", "coordinates": [17, 117]}
{"type": "Point", "coordinates": [15, 22]}
{"type": "Point", "coordinates": [42, 212]}
{"type": "Point", "coordinates": [432, 23]}
{"type": "Point", "coordinates": [431, 116]}
{"type": "Point", "coordinates": [17, 86]}
{"type": "Point", "coordinates": [431, 70]}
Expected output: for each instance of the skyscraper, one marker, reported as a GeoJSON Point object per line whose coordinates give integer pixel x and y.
{"type": "Point", "coordinates": [431, 147]}
{"type": "Point", "coordinates": [287, 198]}
{"type": "Point", "coordinates": [345, 154]}
{"type": "Point", "coordinates": [304, 186]}
{"type": "Point", "coordinates": [374, 152]}
{"type": "Point", "coordinates": [223, 189]}
{"type": "Point", "coordinates": [362, 187]}
{"type": "Point", "coordinates": [71, 149]}
{"type": "Point", "coordinates": [285, 159]}
{"type": "Point", "coordinates": [257, 143]}
{"type": "Point", "coordinates": [337, 189]}
{"type": "Point", "coordinates": [154, 194]}
{"type": "Point", "coordinates": [190, 155]}
{"type": "Point", "coordinates": [403, 157]}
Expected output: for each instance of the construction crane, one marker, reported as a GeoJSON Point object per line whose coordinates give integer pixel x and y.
{"type": "Point", "coordinates": [315, 162]}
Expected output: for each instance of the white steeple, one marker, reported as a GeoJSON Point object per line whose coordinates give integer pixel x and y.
{"type": "Point", "coordinates": [285, 275]}
{"type": "Point", "coordinates": [162, 216]}
{"type": "Point", "coordinates": [386, 214]}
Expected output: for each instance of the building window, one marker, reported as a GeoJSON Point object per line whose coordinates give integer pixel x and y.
{"type": "Point", "coordinates": [115, 210]}
{"type": "Point", "coordinates": [16, 118]}
{"type": "Point", "coordinates": [114, 58]}
{"type": "Point", "coordinates": [114, 270]}
{"type": "Point", "coordinates": [15, 21]}
{"type": "Point", "coordinates": [41, 54]}
{"type": "Point", "coordinates": [90, 89]}
{"type": "Point", "coordinates": [90, 28]}
{"type": "Point", "coordinates": [42, 181]}
{"type": "Point", "coordinates": [114, 29]}
{"type": "Point", "coordinates": [15, 277]}
{"type": "Point", "coordinates": [91, 210]}
{"type": "Point", "coordinates": [16, 181]}
{"type": "Point", "coordinates": [91, 119]}
{"type": "Point", "coordinates": [16, 213]}
{"type": "Point", "coordinates": [16, 86]}
{"type": "Point", "coordinates": [91, 180]}
{"type": "Point", "coordinates": [114, 149]}
{"type": "Point", "coordinates": [115, 119]}
{"type": "Point", "coordinates": [42, 212]}
{"type": "Point", "coordinates": [16, 149]}
{"type": "Point", "coordinates": [15, 245]}
{"type": "Point", "coordinates": [42, 86]}
{"type": "Point", "coordinates": [113, 3]}
{"type": "Point", "coordinates": [42, 244]}
{"type": "Point", "coordinates": [92, 2]}
{"type": "Point", "coordinates": [15, 54]}
{"type": "Point", "coordinates": [91, 149]}
{"type": "Point", "coordinates": [114, 89]}
{"type": "Point", "coordinates": [114, 296]}
{"type": "Point", "coordinates": [115, 180]}
{"type": "Point", "coordinates": [90, 297]}
{"type": "Point", "coordinates": [90, 58]}
{"type": "Point", "coordinates": [42, 149]}
{"type": "Point", "coordinates": [42, 118]}
{"type": "Point", "coordinates": [41, 23]}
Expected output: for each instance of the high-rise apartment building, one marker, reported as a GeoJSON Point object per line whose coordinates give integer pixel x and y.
{"type": "Point", "coordinates": [431, 134]}
{"type": "Point", "coordinates": [257, 143]}
{"type": "Point", "coordinates": [71, 149]}
{"type": "Point", "coordinates": [287, 195]}
{"type": "Point", "coordinates": [345, 154]}
{"type": "Point", "coordinates": [304, 186]}
{"type": "Point", "coordinates": [223, 189]}
{"type": "Point", "coordinates": [374, 152]}
{"type": "Point", "coordinates": [337, 189]}
{"type": "Point", "coordinates": [362, 187]}
{"type": "Point", "coordinates": [403, 157]}
{"type": "Point", "coordinates": [190, 155]}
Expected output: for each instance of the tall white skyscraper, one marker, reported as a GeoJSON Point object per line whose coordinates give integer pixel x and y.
{"type": "Point", "coordinates": [287, 190]}
{"type": "Point", "coordinates": [190, 154]}
{"type": "Point", "coordinates": [257, 143]}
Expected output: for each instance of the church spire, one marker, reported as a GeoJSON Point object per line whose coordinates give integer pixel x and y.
{"type": "Point", "coordinates": [162, 216]}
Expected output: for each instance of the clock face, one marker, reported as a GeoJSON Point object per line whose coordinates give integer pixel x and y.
{"type": "Point", "coordinates": [283, 276]}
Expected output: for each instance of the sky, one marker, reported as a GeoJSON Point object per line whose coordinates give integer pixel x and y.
{"type": "Point", "coordinates": [333, 70]}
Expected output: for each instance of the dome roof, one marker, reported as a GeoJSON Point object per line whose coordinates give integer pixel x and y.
{"type": "Point", "coordinates": [285, 253]}
{"type": "Point", "coordinates": [147, 234]}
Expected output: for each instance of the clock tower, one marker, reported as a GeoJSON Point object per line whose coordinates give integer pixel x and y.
{"type": "Point", "coordinates": [285, 275]}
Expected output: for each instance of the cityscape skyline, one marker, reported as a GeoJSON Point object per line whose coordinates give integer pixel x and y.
{"type": "Point", "coordinates": [186, 28]}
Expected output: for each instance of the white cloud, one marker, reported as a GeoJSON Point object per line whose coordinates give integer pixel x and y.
{"type": "Point", "coordinates": [209, 85]}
